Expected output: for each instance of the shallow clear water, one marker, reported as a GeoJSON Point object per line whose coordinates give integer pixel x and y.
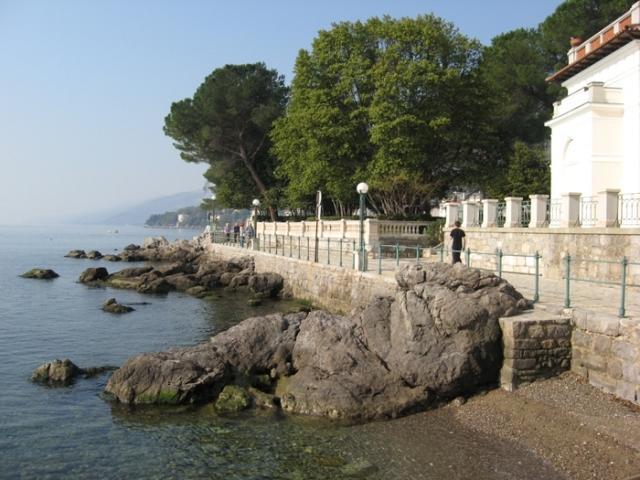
{"type": "Point", "coordinates": [73, 432]}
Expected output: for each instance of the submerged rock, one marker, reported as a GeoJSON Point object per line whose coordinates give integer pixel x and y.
{"type": "Point", "coordinates": [436, 339]}
{"type": "Point", "coordinates": [94, 255]}
{"type": "Point", "coordinates": [112, 306]}
{"type": "Point", "coordinates": [56, 372]}
{"type": "Point", "coordinates": [76, 254]}
{"type": "Point", "coordinates": [111, 258]}
{"type": "Point", "coordinates": [40, 274]}
{"type": "Point", "coordinates": [232, 399]}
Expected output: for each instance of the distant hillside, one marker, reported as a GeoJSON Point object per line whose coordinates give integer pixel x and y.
{"type": "Point", "coordinates": [192, 217]}
{"type": "Point", "coordinates": [138, 214]}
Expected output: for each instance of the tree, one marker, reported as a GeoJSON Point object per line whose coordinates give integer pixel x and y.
{"type": "Point", "coordinates": [226, 124]}
{"type": "Point", "coordinates": [397, 103]}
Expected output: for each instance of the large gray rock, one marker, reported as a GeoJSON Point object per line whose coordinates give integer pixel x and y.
{"type": "Point", "coordinates": [94, 255]}
{"type": "Point", "coordinates": [199, 373]}
{"type": "Point", "coordinates": [266, 284]}
{"type": "Point", "coordinates": [436, 339]}
{"type": "Point", "coordinates": [92, 275]}
{"type": "Point", "coordinates": [76, 254]}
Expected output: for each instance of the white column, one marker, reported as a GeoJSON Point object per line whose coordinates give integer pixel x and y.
{"type": "Point", "coordinates": [513, 212]}
{"type": "Point", "coordinates": [489, 213]}
{"type": "Point", "coordinates": [607, 208]}
{"type": "Point", "coordinates": [570, 210]}
{"type": "Point", "coordinates": [538, 211]}
{"type": "Point", "coordinates": [469, 214]}
{"type": "Point", "coordinates": [451, 214]}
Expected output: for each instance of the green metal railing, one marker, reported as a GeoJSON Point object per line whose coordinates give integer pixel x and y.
{"type": "Point", "coordinates": [499, 263]}
{"type": "Point", "coordinates": [569, 263]}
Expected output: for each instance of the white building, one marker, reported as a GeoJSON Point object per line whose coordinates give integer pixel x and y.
{"type": "Point", "coordinates": [595, 130]}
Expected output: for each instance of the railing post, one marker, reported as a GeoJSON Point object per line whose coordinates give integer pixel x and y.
{"type": "Point", "coordinates": [340, 243]}
{"type": "Point", "coordinates": [379, 259]}
{"type": "Point", "coordinates": [442, 253]}
{"type": "Point", "coordinates": [607, 208]}
{"type": "Point", "coordinates": [513, 212]}
{"type": "Point", "coordinates": [451, 213]}
{"type": "Point", "coordinates": [307, 249]}
{"type": "Point", "coordinates": [353, 255]}
{"type": "Point", "coordinates": [538, 211]}
{"type": "Point", "coordinates": [499, 261]}
{"type": "Point", "coordinates": [623, 287]}
{"type": "Point", "coordinates": [299, 239]}
{"type": "Point", "coordinates": [536, 289]}
{"type": "Point", "coordinates": [397, 254]}
{"type": "Point", "coordinates": [328, 251]}
{"type": "Point", "coordinates": [269, 243]}
{"type": "Point", "coordinates": [489, 213]}
{"type": "Point", "coordinates": [417, 254]}
{"type": "Point", "coordinates": [467, 257]}
{"type": "Point", "coordinates": [469, 214]}
{"type": "Point", "coordinates": [567, 281]}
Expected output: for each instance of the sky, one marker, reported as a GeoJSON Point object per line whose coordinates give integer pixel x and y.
{"type": "Point", "coordinates": [85, 84]}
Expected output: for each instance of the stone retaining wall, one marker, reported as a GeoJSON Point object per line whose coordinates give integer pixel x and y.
{"type": "Point", "coordinates": [553, 244]}
{"type": "Point", "coordinates": [535, 346]}
{"type": "Point", "coordinates": [332, 288]}
{"type": "Point", "coordinates": [606, 351]}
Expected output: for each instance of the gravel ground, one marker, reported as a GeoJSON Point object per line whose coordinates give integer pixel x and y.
{"type": "Point", "coordinates": [578, 429]}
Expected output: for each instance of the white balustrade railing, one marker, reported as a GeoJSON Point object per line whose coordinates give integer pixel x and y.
{"type": "Point", "coordinates": [629, 210]}
{"type": "Point", "coordinates": [555, 212]}
{"type": "Point", "coordinates": [588, 211]}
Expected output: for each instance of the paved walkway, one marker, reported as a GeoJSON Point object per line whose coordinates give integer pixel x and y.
{"type": "Point", "coordinates": [589, 296]}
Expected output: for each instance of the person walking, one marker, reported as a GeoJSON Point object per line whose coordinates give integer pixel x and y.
{"type": "Point", "coordinates": [458, 242]}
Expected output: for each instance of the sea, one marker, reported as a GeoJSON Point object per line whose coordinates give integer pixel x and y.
{"type": "Point", "coordinates": [75, 432]}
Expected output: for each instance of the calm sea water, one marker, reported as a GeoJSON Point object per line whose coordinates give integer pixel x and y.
{"type": "Point", "coordinates": [73, 432]}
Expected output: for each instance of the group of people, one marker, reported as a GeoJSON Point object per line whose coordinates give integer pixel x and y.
{"type": "Point", "coordinates": [239, 232]}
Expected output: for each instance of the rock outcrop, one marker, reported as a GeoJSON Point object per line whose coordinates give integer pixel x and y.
{"type": "Point", "coordinates": [64, 372]}
{"type": "Point", "coordinates": [112, 306]}
{"type": "Point", "coordinates": [184, 267]}
{"type": "Point", "coordinates": [40, 274]}
{"type": "Point", "coordinates": [94, 255]}
{"type": "Point", "coordinates": [437, 339]}
{"type": "Point", "coordinates": [76, 254]}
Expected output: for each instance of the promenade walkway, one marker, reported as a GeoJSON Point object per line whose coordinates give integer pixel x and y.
{"type": "Point", "coordinates": [603, 299]}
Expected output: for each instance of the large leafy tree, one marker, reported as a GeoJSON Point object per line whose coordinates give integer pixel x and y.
{"type": "Point", "coordinates": [397, 103]}
{"type": "Point", "coordinates": [226, 124]}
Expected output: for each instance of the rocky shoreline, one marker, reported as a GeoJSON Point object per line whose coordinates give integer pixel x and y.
{"type": "Point", "coordinates": [436, 339]}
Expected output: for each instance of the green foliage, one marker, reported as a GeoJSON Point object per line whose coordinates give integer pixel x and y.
{"type": "Point", "coordinates": [577, 18]}
{"type": "Point", "coordinates": [397, 103]}
{"type": "Point", "coordinates": [528, 173]}
{"type": "Point", "coordinates": [227, 124]}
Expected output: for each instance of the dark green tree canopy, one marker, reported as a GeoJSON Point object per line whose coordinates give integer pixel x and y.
{"type": "Point", "coordinates": [226, 124]}
{"type": "Point", "coordinates": [397, 103]}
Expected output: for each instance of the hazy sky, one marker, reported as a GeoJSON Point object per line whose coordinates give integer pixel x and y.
{"type": "Point", "coordinates": [85, 85]}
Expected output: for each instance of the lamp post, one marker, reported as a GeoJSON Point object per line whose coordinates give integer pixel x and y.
{"type": "Point", "coordinates": [213, 213]}
{"type": "Point", "coordinates": [256, 204]}
{"type": "Point", "coordinates": [362, 190]}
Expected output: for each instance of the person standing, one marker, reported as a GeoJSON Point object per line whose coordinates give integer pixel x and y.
{"type": "Point", "coordinates": [458, 242]}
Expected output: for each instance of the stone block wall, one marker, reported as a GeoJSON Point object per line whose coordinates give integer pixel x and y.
{"type": "Point", "coordinates": [536, 345]}
{"type": "Point", "coordinates": [330, 287]}
{"type": "Point", "coordinates": [606, 351]}
{"type": "Point", "coordinates": [552, 244]}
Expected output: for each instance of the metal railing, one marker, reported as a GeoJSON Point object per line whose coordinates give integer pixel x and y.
{"type": "Point", "coordinates": [623, 263]}
{"type": "Point", "coordinates": [525, 213]}
{"type": "Point", "coordinates": [588, 211]}
{"type": "Point", "coordinates": [555, 212]}
{"type": "Point", "coordinates": [629, 209]}
{"type": "Point", "coordinates": [501, 214]}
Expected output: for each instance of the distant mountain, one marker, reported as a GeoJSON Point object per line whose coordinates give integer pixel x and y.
{"type": "Point", "coordinates": [138, 214]}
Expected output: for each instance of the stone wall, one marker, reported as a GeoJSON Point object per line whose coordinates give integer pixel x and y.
{"type": "Point", "coordinates": [553, 244]}
{"type": "Point", "coordinates": [330, 287]}
{"type": "Point", "coordinates": [536, 345]}
{"type": "Point", "coordinates": [606, 351]}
